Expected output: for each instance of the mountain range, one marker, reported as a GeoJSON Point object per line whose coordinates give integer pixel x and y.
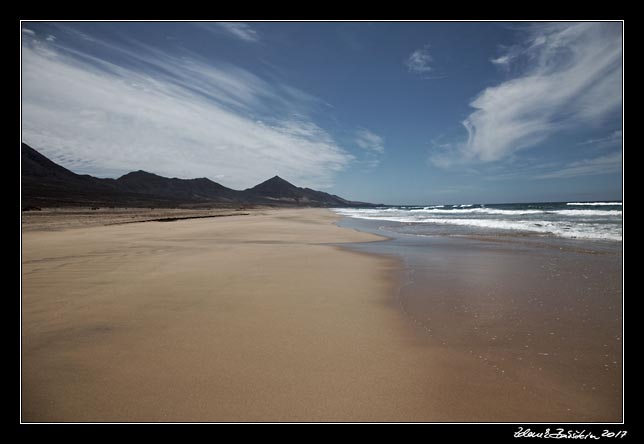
{"type": "Point", "coordinates": [47, 184]}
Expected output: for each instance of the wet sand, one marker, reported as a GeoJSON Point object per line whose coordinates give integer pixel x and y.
{"type": "Point", "coordinates": [544, 315]}
{"type": "Point", "coordinates": [274, 316]}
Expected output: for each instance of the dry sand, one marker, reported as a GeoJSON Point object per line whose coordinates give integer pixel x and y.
{"type": "Point", "coordinates": [248, 318]}
{"type": "Point", "coordinates": [245, 318]}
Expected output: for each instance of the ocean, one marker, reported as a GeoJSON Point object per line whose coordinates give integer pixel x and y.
{"type": "Point", "coordinates": [600, 221]}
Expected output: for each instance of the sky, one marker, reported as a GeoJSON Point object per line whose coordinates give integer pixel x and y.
{"type": "Point", "coordinates": [384, 112]}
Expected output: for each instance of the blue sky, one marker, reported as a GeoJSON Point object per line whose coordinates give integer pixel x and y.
{"type": "Point", "coordinates": [387, 112]}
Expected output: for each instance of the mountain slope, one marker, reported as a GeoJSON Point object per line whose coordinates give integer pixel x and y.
{"type": "Point", "coordinates": [182, 189]}
{"type": "Point", "coordinates": [44, 181]}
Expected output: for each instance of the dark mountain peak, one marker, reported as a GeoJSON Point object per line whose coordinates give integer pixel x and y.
{"type": "Point", "coordinates": [276, 180]}
{"type": "Point", "coordinates": [275, 187]}
{"type": "Point", "coordinates": [278, 189]}
{"type": "Point", "coordinates": [140, 174]}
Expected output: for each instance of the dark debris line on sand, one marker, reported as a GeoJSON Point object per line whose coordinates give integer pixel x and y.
{"type": "Point", "coordinates": [173, 219]}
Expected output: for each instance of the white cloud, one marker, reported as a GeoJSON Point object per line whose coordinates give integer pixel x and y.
{"type": "Point", "coordinates": [503, 60]}
{"type": "Point", "coordinates": [419, 62]}
{"type": "Point", "coordinates": [190, 120]}
{"type": "Point", "coordinates": [28, 31]}
{"type": "Point", "coordinates": [573, 78]}
{"type": "Point", "coordinates": [509, 54]}
{"type": "Point", "coordinates": [242, 31]}
{"type": "Point", "coordinates": [610, 163]}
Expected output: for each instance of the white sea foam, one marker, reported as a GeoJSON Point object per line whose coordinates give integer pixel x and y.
{"type": "Point", "coordinates": [576, 213]}
{"type": "Point", "coordinates": [497, 211]}
{"type": "Point", "coordinates": [574, 223]}
{"type": "Point", "coordinates": [593, 204]}
{"type": "Point", "coordinates": [482, 211]}
{"type": "Point", "coordinates": [562, 229]}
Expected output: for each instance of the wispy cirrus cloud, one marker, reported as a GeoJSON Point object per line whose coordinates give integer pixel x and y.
{"type": "Point", "coordinates": [370, 141]}
{"type": "Point", "coordinates": [612, 140]}
{"type": "Point", "coordinates": [420, 61]}
{"type": "Point", "coordinates": [171, 114]}
{"type": "Point", "coordinates": [242, 31]}
{"type": "Point", "coordinates": [610, 163]}
{"type": "Point", "coordinates": [373, 146]}
{"type": "Point", "coordinates": [572, 77]}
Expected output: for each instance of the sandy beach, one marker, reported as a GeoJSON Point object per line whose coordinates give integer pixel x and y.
{"type": "Point", "coordinates": [247, 318]}
{"type": "Point", "coordinates": [256, 317]}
